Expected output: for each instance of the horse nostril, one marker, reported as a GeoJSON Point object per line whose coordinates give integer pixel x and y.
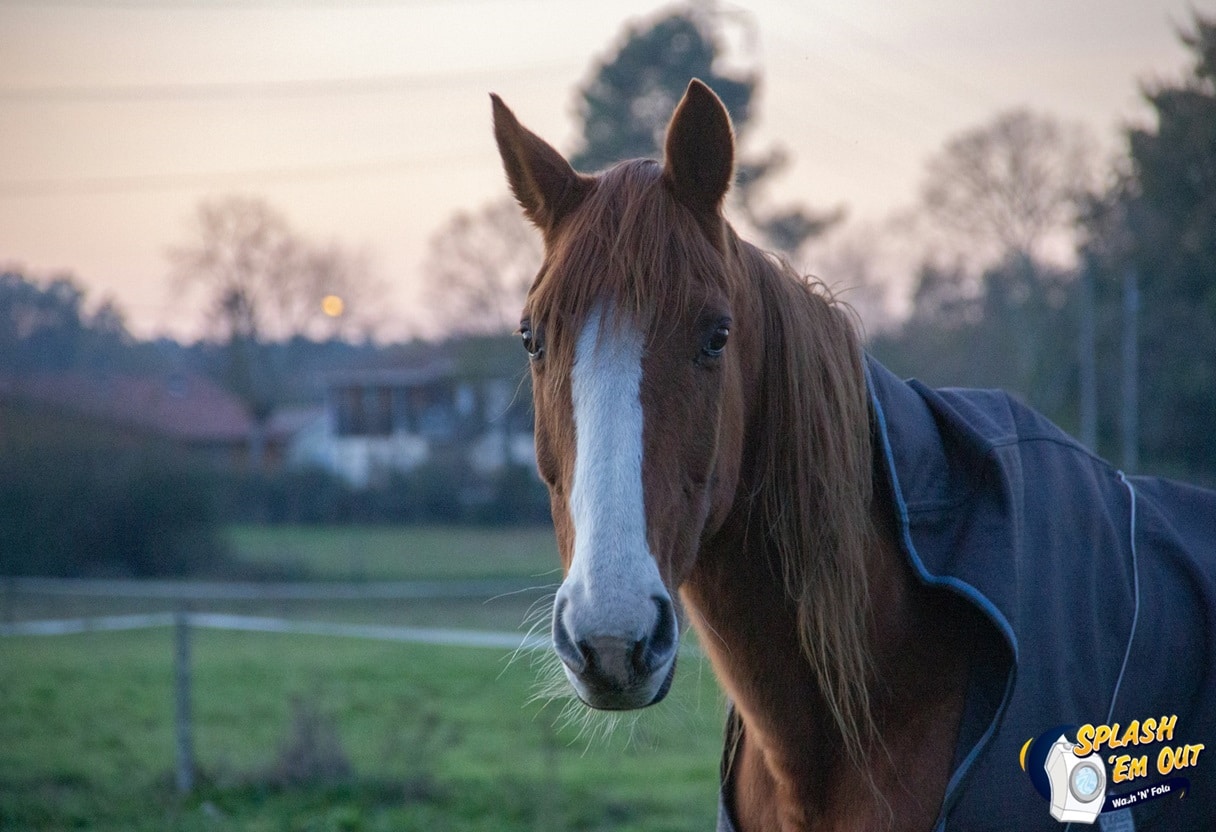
{"type": "Point", "coordinates": [615, 661]}
{"type": "Point", "coordinates": [591, 660]}
{"type": "Point", "coordinates": [663, 638]}
{"type": "Point", "coordinates": [638, 658]}
{"type": "Point", "coordinates": [652, 653]}
{"type": "Point", "coordinates": [575, 656]}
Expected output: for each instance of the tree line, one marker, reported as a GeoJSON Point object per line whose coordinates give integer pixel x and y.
{"type": "Point", "coordinates": [82, 494]}
{"type": "Point", "coordinates": [1024, 254]}
{"type": "Point", "coordinates": [1118, 346]}
{"type": "Point", "coordinates": [1033, 268]}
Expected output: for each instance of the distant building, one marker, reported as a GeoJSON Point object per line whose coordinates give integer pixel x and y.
{"type": "Point", "coordinates": [371, 424]}
{"type": "Point", "coordinates": [187, 410]}
{"type": "Point", "coordinates": [376, 422]}
{"type": "Point", "coordinates": [289, 435]}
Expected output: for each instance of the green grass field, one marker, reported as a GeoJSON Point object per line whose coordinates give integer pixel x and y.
{"type": "Point", "coordinates": [389, 553]}
{"type": "Point", "coordinates": [436, 738]}
{"type": "Point", "coordinates": [439, 738]}
{"type": "Point", "coordinates": [361, 553]}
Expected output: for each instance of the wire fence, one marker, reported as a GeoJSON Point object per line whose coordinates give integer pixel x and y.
{"type": "Point", "coordinates": [441, 636]}
{"type": "Point", "coordinates": [189, 590]}
{"type": "Point", "coordinates": [184, 621]}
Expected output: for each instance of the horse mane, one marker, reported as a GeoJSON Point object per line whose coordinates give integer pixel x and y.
{"type": "Point", "coordinates": [634, 248]}
{"type": "Point", "coordinates": [813, 481]}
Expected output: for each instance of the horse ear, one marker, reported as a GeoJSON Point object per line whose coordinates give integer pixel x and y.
{"type": "Point", "coordinates": [543, 182]}
{"type": "Point", "coordinates": [699, 157]}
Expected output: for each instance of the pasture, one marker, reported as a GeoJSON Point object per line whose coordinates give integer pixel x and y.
{"type": "Point", "coordinates": [389, 553]}
{"type": "Point", "coordinates": [296, 732]}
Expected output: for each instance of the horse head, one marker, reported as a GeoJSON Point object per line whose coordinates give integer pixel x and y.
{"type": "Point", "coordinates": [639, 344]}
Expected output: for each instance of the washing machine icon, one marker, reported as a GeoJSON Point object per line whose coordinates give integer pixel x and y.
{"type": "Point", "coordinates": [1078, 784]}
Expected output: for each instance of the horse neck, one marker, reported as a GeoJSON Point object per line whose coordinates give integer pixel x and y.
{"type": "Point", "coordinates": [797, 755]}
{"type": "Point", "coordinates": [748, 625]}
{"type": "Point", "coordinates": [793, 768]}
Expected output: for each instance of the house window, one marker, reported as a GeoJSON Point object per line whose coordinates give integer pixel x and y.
{"type": "Point", "coordinates": [435, 410]}
{"type": "Point", "coordinates": [363, 411]}
{"type": "Point", "coordinates": [402, 420]}
{"type": "Point", "coordinates": [378, 411]}
{"type": "Point", "coordinates": [347, 411]}
{"type": "Point", "coordinates": [466, 400]}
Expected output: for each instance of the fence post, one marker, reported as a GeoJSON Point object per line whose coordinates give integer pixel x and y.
{"type": "Point", "coordinates": [181, 712]}
{"type": "Point", "coordinates": [10, 599]}
{"type": "Point", "coordinates": [548, 814]}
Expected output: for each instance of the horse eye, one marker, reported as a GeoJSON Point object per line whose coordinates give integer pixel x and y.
{"type": "Point", "coordinates": [716, 342]}
{"type": "Point", "coordinates": [530, 341]}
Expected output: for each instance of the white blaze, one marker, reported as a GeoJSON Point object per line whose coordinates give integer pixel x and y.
{"type": "Point", "coordinates": [612, 573]}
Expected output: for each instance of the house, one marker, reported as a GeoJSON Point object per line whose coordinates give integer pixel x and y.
{"type": "Point", "coordinates": [187, 410]}
{"type": "Point", "coordinates": [371, 424]}
{"type": "Point", "coordinates": [379, 421]}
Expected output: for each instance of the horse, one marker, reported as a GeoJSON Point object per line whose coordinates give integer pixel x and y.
{"type": "Point", "coordinates": [896, 587]}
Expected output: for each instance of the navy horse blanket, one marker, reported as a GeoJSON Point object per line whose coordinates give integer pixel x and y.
{"type": "Point", "coordinates": [1103, 589]}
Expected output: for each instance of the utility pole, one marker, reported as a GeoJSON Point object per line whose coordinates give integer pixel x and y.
{"type": "Point", "coordinates": [1131, 362]}
{"type": "Point", "coordinates": [182, 718]}
{"type": "Point", "coordinates": [1087, 415]}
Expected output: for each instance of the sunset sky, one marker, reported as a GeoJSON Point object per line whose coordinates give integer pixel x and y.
{"type": "Point", "coordinates": [367, 123]}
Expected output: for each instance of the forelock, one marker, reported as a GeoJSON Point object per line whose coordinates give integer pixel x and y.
{"type": "Point", "coordinates": [630, 247]}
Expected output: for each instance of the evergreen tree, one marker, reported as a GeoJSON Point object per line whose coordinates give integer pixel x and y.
{"type": "Point", "coordinates": [626, 105]}
{"type": "Point", "coordinates": [628, 102]}
{"type": "Point", "coordinates": [46, 327]}
{"type": "Point", "coordinates": [1160, 220]}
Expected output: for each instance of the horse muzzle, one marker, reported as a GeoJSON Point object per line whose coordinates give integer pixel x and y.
{"type": "Point", "coordinates": [616, 659]}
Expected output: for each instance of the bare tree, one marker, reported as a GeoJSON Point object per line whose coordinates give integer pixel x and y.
{"type": "Point", "coordinates": [853, 260]}
{"type": "Point", "coordinates": [240, 249]}
{"type": "Point", "coordinates": [479, 267]}
{"type": "Point", "coordinates": [333, 294]}
{"type": "Point", "coordinates": [264, 281]}
{"type": "Point", "coordinates": [1010, 187]}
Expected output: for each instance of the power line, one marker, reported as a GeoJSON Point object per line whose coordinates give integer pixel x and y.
{"type": "Point", "coordinates": [296, 88]}
{"type": "Point", "coordinates": [237, 5]}
{"type": "Point", "coordinates": [179, 181]}
{"type": "Point", "coordinates": [894, 53]}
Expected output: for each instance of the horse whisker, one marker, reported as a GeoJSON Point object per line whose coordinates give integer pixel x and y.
{"type": "Point", "coordinates": [526, 589]}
